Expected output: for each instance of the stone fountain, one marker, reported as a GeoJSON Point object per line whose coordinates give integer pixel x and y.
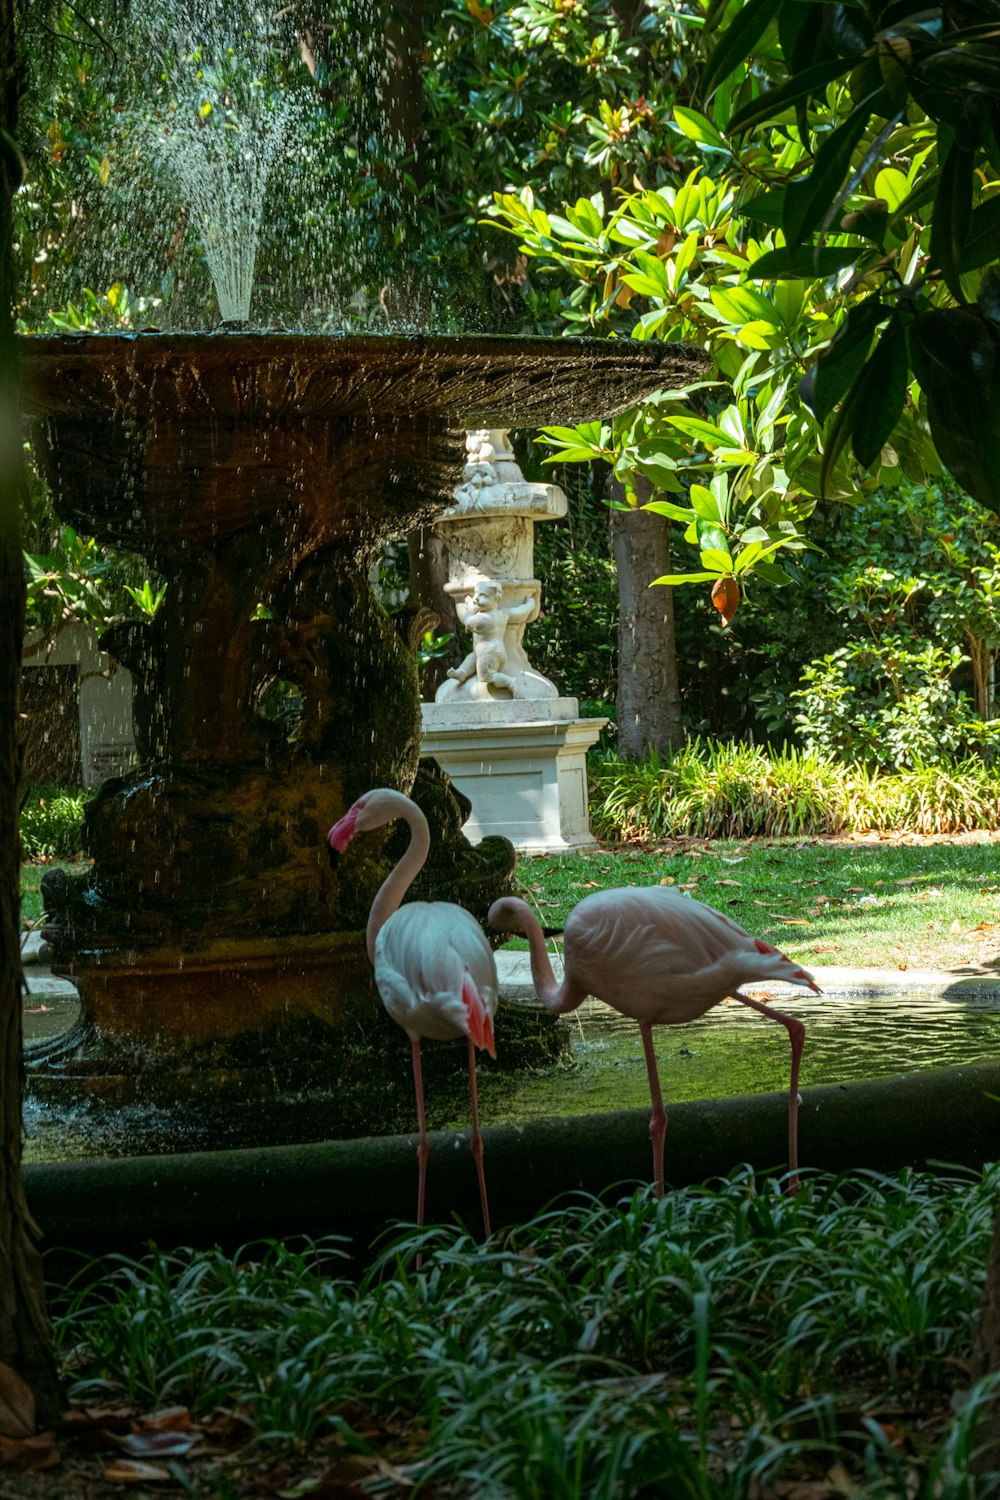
{"type": "Point", "coordinates": [217, 958]}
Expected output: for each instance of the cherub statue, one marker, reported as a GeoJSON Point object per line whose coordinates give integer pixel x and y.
{"type": "Point", "coordinates": [486, 620]}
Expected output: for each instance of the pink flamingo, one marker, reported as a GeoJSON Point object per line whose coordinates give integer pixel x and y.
{"type": "Point", "coordinates": [661, 958]}
{"type": "Point", "coordinates": [434, 967]}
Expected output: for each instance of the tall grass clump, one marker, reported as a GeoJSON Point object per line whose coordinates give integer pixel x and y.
{"type": "Point", "coordinates": [733, 790]}
{"type": "Point", "coordinates": [51, 822]}
{"type": "Point", "coordinates": [703, 1345]}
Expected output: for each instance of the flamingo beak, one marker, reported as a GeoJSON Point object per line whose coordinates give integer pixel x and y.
{"type": "Point", "coordinates": [340, 836]}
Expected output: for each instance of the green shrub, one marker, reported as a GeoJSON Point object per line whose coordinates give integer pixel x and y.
{"type": "Point", "coordinates": [51, 821]}
{"type": "Point", "coordinates": [728, 790]}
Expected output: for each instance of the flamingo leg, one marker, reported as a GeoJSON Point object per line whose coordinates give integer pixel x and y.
{"type": "Point", "coordinates": [796, 1036]}
{"type": "Point", "coordinates": [658, 1118]}
{"type": "Point", "coordinates": [423, 1145]}
{"type": "Point", "coordinates": [476, 1142]}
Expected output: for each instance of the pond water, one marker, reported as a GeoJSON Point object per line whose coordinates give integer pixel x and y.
{"type": "Point", "coordinates": [730, 1050]}
{"type": "Point", "coordinates": [733, 1050]}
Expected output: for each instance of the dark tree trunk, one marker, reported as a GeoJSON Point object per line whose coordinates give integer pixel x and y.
{"type": "Point", "coordinates": [25, 1335]}
{"type": "Point", "coordinates": [649, 705]}
{"type": "Point", "coordinates": [428, 554]}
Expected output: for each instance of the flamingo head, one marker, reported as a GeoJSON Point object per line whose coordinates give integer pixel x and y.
{"type": "Point", "coordinates": [370, 811]}
{"type": "Point", "coordinates": [510, 914]}
{"type": "Point", "coordinates": [341, 833]}
{"type": "Point", "coordinates": [791, 975]}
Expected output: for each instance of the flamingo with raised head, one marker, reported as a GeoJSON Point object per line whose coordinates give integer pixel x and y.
{"type": "Point", "coordinates": [662, 958]}
{"type": "Point", "coordinates": [434, 967]}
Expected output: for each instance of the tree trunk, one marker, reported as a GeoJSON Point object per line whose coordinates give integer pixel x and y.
{"type": "Point", "coordinates": [649, 705]}
{"type": "Point", "coordinates": [25, 1335]}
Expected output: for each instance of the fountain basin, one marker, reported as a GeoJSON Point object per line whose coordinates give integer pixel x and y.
{"type": "Point", "coordinates": [259, 473]}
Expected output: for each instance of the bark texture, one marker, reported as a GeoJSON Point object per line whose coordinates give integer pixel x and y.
{"type": "Point", "coordinates": [25, 1336]}
{"type": "Point", "coordinates": [649, 703]}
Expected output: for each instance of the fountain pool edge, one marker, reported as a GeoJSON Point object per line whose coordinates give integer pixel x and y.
{"type": "Point", "coordinates": [358, 1188]}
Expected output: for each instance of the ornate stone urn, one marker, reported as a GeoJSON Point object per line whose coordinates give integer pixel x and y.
{"type": "Point", "coordinates": [216, 955]}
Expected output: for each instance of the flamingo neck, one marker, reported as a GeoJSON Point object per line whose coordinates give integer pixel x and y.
{"type": "Point", "coordinates": [547, 988]}
{"type": "Point", "coordinates": [401, 877]}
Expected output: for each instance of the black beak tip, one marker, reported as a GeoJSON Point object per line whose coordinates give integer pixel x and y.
{"type": "Point", "coordinates": [333, 855]}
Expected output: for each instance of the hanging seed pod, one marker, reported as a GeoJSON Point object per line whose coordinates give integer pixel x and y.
{"type": "Point", "coordinates": [726, 598]}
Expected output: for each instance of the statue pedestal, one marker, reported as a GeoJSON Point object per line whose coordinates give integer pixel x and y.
{"type": "Point", "coordinates": [523, 766]}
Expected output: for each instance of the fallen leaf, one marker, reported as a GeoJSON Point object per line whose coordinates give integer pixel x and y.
{"type": "Point", "coordinates": [668, 880]}
{"type": "Point", "coordinates": [17, 1405]}
{"type": "Point", "coordinates": [154, 1442]}
{"type": "Point", "coordinates": [789, 921]}
{"type": "Point", "coordinates": [729, 882]}
{"type": "Point", "coordinates": [30, 1453]}
{"type": "Point", "coordinates": [131, 1471]}
{"type": "Point", "coordinates": [956, 926]}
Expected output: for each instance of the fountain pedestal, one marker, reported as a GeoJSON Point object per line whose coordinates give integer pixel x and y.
{"type": "Point", "coordinates": [218, 958]}
{"type": "Point", "coordinates": [499, 727]}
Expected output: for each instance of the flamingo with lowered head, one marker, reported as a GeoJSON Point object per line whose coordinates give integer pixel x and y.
{"type": "Point", "coordinates": [434, 967]}
{"type": "Point", "coordinates": [661, 958]}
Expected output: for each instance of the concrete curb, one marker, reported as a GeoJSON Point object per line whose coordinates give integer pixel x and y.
{"type": "Point", "coordinates": [358, 1188]}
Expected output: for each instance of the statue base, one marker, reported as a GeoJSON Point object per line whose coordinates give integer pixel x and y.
{"type": "Point", "coordinates": [523, 766]}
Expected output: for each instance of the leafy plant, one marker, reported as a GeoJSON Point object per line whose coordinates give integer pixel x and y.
{"type": "Point", "coordinates": [51, 821]}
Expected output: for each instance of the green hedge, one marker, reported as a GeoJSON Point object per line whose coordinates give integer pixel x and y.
{"type": "Point", "coordinates": [731, 790]}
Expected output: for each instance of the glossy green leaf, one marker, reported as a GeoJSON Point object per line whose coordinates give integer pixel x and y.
{"type": "Point", "coordinates": [956, 358]}
{"type": "Point", "coordinates": [738, 41]}
{"type": "Point", "coordinates": [804, 263]}
{"type": "Point", "coordinates": [720, 562]}
{"type": "Point", "coordinates": [684, 578]}
{"type": "Point", "coordinates": [884, 384]}
{"type": "Point", "coordinates": [799, 88]}
{"type": "Point", "coordinates": [672, 512]}
{"type": "Point", "coordinates": [952, 216]}
{"type": "Point", "coordinates": [982, 241]}
{"type": "Point", "coordinates": [697, 128]}
{"type": "Point", "coordinates": [839, 366]}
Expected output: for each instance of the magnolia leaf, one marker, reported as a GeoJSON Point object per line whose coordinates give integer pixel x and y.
{"type": "Point", "coordinates": [697, 128]}
{"type": "Point", "coordinates": [798, 89]}
{"type": "Point", "coordinates": [956, 358]}
{"type": "Point", "coordinates": [737, 41]}
{"type": "Point", "coordinates": [717, 560]}
{"type": "Point", "coordinates": [683, 578]}
{"type": "Point", "coordinates": [664, 508]}
{"type": "Point", "coordinates": [837, 368]}
{"type": "Point", "coordinates": [953, 215]}
{"type": "Point", "coordinates": [884, 382]}
{"type": "Point", "coordinates": [133, 1471]}
{"type": "Point", "coordinates": [726, 598]}
{"type": "Point", "coordinates": [983, 237]}
{"type": "Point", "coordinates": [805, 263]}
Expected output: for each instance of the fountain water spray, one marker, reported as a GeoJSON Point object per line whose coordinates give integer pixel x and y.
{"type": "Point", "coordinates": [221, 125]}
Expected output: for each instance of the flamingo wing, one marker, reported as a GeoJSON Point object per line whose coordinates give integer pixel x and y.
{"type": "Point", "coordinates": [436, 973]}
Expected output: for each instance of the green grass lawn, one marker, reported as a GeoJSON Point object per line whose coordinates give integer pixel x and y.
{"type": "Point", "coordinates": [863, 903]}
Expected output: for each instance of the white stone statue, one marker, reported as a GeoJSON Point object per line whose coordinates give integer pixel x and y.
{"type": "Point", "coordinates": [487, 618]}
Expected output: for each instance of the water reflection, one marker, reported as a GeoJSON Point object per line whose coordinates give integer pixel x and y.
{"type": "Point", "coordinates": [732, 1050]}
